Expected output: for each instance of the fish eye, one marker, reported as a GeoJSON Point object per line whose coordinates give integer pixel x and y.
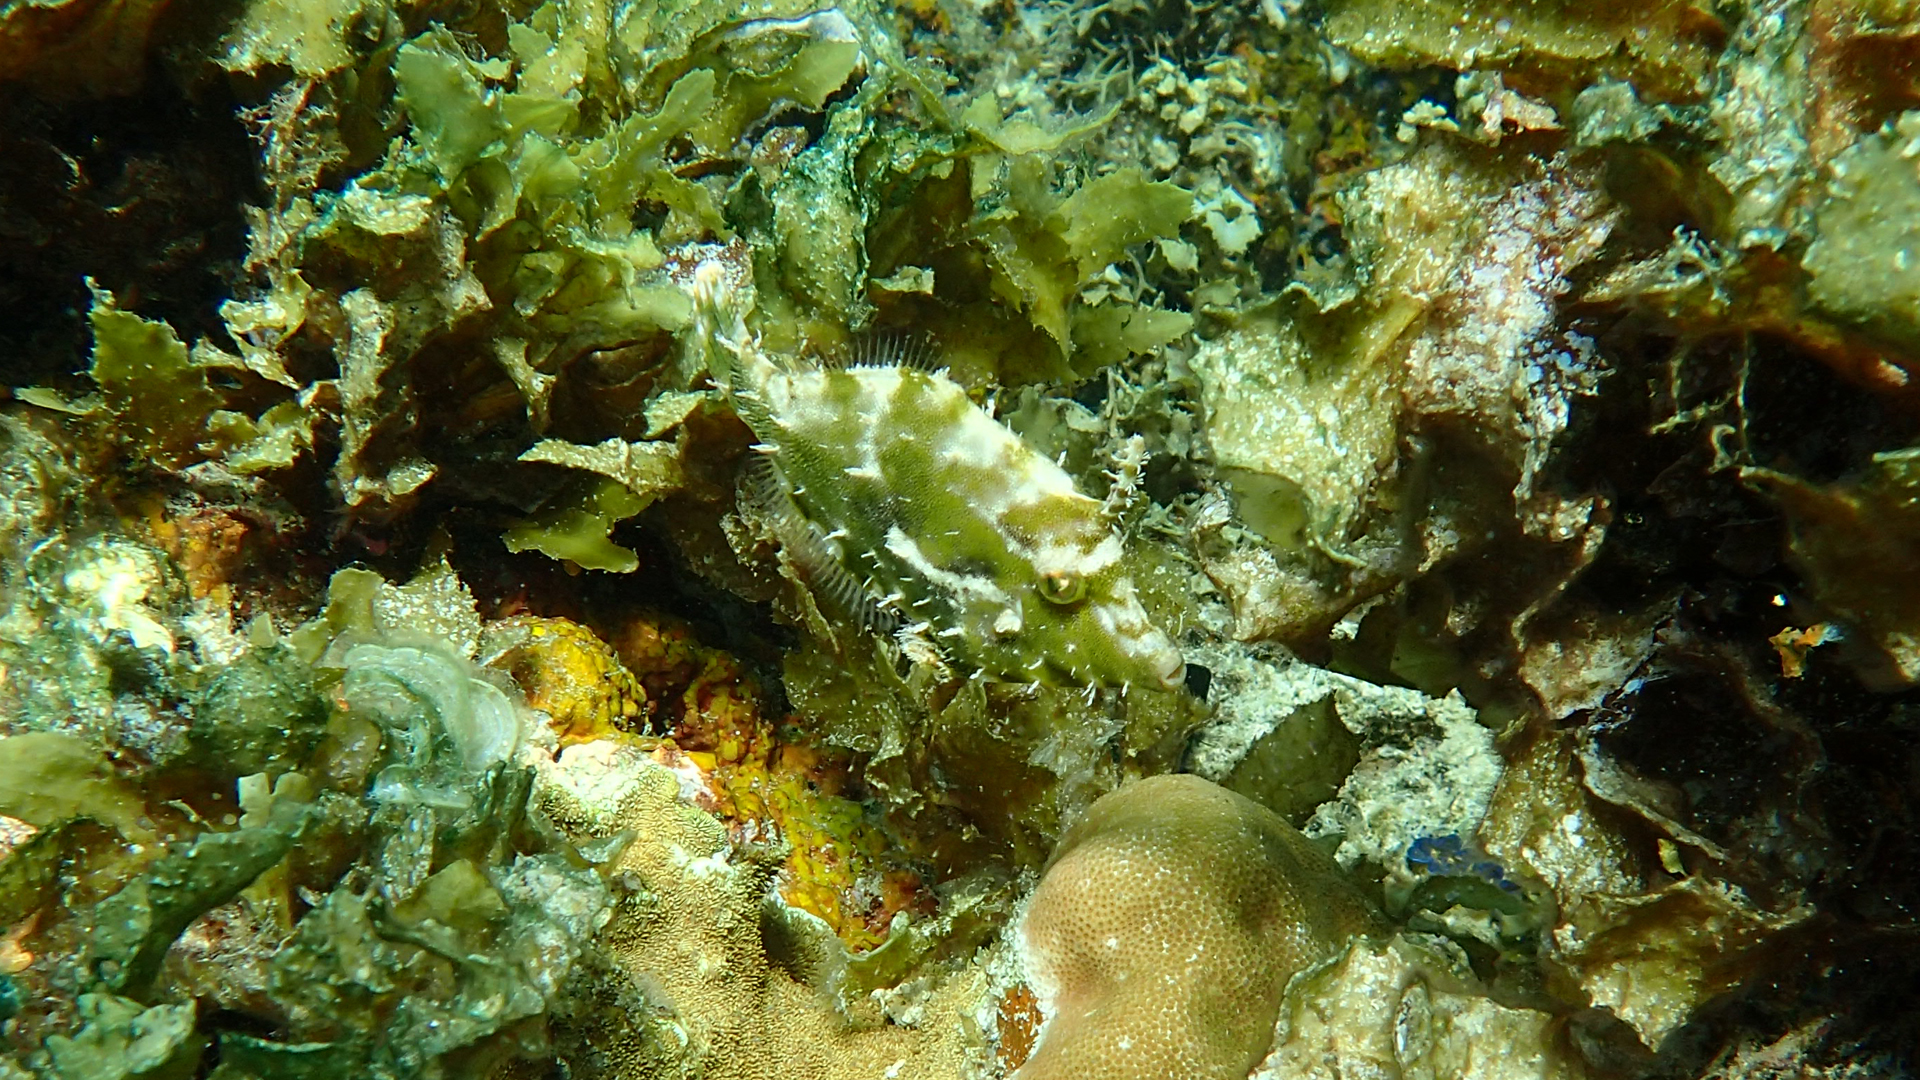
{"type": "Point", "coordinates": [1062, 588]}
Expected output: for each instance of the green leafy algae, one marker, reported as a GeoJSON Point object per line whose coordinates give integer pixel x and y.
{"type": "Point", "coordinates": [765, 64]}
{"type": "Point", "coordinates": [1013, 758]}
{"type": "Point", "coordinates": [455, 120]}
{"type": "Point", "coordinates": [576, 527]}
{"type": "Point", "coordinates": [442, 721]}
{"type": "Point", "coordinates": [1107, 215]}
{"type": "Point", "coordinates": [815, 232]}
{"type": "Point", "coordinates": [1044, 249]}
{"type": "Point", "coordinates": [488, 234]}
{"type": "Point", "coordinates": [312, 39]}
{"type": "Point", "coordinates": [647, 469]}
{"type": "Point", "coordinates": [262, 712]}
{"type": "Point", "coordinates": [49, 777]}
{"type": "Point", "coordinates": [123, 1039]}
{"type": "Point", "coordinates": [362, 605]}
{"type": "Point", "coordinates": [273, 440]}
{"type": "Point", "coordinates": [31, 875]}
{"type": "Point", "coordinates": [1660, 44]}
{"type": "Point", "coordinates": [1025, 133]}
{"type": "Point", "coordinates": [158, 396]}
{"type": "Point", "coordinates": [1110, 333]}
{"type": "Point", "coordinates": [576, 523]}
{"type": "Point", "coordinates": [134, 928]}
{"type": "Point", "coordinates": [442, 914]}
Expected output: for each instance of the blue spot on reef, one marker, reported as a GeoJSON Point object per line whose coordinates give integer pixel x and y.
{"type": "Point", "coordinates": [1450, 856]}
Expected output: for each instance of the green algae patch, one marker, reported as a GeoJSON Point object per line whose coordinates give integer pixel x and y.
{"type": "Point", "coordinates": [968, 919]}
{"type": "Point", "coordinates": [1665, 47]}
{"type": "Point", "coordinates": [1010, 760]}
{"type": "Point", "coordinates": [1106, 216]}
{"type": "Point", "coordinates": [577, 527]}
{"type": "Point", "coordinates": [262, 712]}
{"type": "Point", "coordinates": [48, 777]}
{"type": "Point", "coordinates": [159, 397]}
{"type": "Point", "coordinates": [1044, 250]}
{"type": "Point", "coordinates": [452, 914]}
{"type": "Point", "coordinates": [406, 978]}
{"type": "Point", "coordinates": [121, 1039]}
{"type": "Point", "coordinates": [1028, 132]}
{"type": "Point", "coordinates": [1110, 333]}
{"type": "Point", "coordinates": [648, 469]}
{"type": "Point", "coordinates": [361, 604]}
{"type": "Point", "coordinates": [766, 64]}
{"type": "Point", "coordinates": [134, 928]}
{"type": "Point", "coordinates": [1302, 435]}
{"type": "Point", "coordinates": [274, 440]}
{"type": "Point", "coordinates": [455, 119]}
{"type": "Point", "coordinates": [164, 402]}
{"type": "Point", "coordinates": [458, 896]}
{"type": "Point", "coordinates": [310, 37]}
{"type": "Point", "coordinates": [33, 867]}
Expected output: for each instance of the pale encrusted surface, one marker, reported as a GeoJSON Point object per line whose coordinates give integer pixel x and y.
{"type": "Point", "coordinates": [1403, 1008]}
{"type": "Point", "coordinates": [689, 962]}
{"type": "Point", "coordinates": [1429, 777]}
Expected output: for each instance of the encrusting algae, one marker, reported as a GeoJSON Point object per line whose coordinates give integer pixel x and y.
{"type": "Point", "coordinates": [706, 978]}
{"type": "Point", "coordinates": [569, 674]}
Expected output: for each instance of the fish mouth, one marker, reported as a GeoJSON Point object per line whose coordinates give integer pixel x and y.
{"type": "Point", "coordinates": [1174, 676]}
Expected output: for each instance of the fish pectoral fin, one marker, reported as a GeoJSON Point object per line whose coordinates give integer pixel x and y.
{"type": "Point", "coordinates": [808, 548]}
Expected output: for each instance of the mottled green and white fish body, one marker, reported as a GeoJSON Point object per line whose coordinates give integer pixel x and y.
{"type": "Point", "coordinates": [912, 500]}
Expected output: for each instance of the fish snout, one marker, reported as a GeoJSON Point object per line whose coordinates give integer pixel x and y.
{"type": "Point", "coordinates": [1172, 672]}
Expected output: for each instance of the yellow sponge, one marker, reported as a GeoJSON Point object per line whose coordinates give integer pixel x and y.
{"type": "Point", "coordinates": [1165, 928]}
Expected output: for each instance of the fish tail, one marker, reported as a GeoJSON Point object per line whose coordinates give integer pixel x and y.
{"type": "Point", "coordinates": [732, 352]}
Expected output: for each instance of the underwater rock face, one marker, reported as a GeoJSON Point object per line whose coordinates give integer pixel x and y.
{"type": "Point", "coordinates": [1167, 926]}
{"type": "Point", "coordinates": [1405, 1007]}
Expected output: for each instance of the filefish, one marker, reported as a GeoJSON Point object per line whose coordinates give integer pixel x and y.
{"type": "Point", "coordinates": [915, 512]}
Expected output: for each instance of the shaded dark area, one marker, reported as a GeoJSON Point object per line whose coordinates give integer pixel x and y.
{"type": "Point", "coordinates": [145, 193]}
{"type": "Point", "coordinates": [1836, 997]}
{"type": "Point", "coordinates": [1798, 776]}
{"type": "Point", "coordinates": [1801, 772]}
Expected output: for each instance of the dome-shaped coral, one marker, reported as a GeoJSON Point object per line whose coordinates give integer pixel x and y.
{"type": "Point", "coordinates": [1166, 927]}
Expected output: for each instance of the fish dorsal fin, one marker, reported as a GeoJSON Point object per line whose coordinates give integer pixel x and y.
{"type": "Point", "coordinates": [811, 552]}
{"type": "Point", "coordinates": [889, 351]}
{"type": "Point", "coordinates": [1127, 461]}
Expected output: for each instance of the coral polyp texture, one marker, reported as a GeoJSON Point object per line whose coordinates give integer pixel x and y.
{"type": "Point", "coordinates": [1165, 928]}
{"type": "Point", "coordinates": [626, 539]}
